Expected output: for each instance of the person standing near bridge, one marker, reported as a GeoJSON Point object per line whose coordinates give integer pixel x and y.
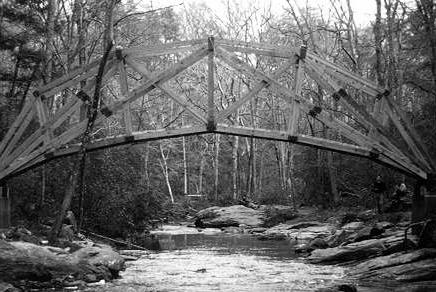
{"type": "Point", "coordinates": [379, 189]}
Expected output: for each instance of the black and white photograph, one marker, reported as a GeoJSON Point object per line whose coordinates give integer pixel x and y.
{"type": "Point", "coordinates": [218, 145]}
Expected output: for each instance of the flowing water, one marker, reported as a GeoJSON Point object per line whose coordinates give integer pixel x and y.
{"type": "Point", "coordinates": [214, 261]}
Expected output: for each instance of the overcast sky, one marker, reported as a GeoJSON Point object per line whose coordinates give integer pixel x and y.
{"type": "Point", "coordinates": [364, 10]}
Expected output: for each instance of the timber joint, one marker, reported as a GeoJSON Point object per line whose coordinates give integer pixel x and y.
{"type": "Point", "coordinates": [211, 126]}
{"type": "Point", "coordinates": [211, 43]}
{"type": "Point", "coordinates": [383, 94]}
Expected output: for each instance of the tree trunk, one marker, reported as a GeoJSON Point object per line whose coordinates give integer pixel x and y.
{"type": "Point", "coordinates": [78, 171]}
{"type": "Point", "coordinates": [200, 172]}
{"type": "Point", "coordinates": [185, 165]}
{"type": "Point", "coordinates": [164, 166]}
{"type": "Point", "coordinates": [217, 149]}
{"type": "Point", "coordinates": [235, 167]}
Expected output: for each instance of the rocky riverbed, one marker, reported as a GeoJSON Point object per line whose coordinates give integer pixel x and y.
{"type": "Point", "coordinates": [374, 252]}
{"type": "Point", "coordinates": [379, 252]}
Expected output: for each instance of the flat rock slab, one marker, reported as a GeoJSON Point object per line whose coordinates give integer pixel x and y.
{"type": "Point", "coordinates": [303, 234]}
{"type": "Point", "coordinates": [357, 251]}
{"type": "Point", "coordinates": [239, 215]}
{"type": "Point", "coordinates": [404, 271]}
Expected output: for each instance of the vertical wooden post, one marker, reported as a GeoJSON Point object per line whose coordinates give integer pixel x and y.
{"type": "Point", "coordinates": [211, 124]}
{"type": "Point", "coordinates": [124, 89]}
{"type": "Point", "coordinates": [5, 206]}
{"type": "Point", "coordinates": [295, 110]}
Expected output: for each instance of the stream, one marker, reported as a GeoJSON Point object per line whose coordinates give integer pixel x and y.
{"type": "Point", "coordinates": [209, 260]}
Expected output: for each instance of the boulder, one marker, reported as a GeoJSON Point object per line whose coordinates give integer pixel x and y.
{"type": "Point", "coordinates": [275, 214]}
{"type": "Point", "coordinates": [100, 255]}
{"type": "Point", "coordinates": [367, 233]}
{"type": "Point", "coordinates": [30, 262]}
{"type": "Point", "coordinates": [5, 287]}
{"type": "Point", "coordinates": [353, 226]}
{"type": "Point", "coordinates": [218, 217]}
{"type": "Point", "coordinates": [239, 215]}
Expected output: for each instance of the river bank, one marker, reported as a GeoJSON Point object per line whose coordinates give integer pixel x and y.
{"type": "Point", "coordinates": [378, 251]}
{"type": "Point", "coordinates": [247, 249]}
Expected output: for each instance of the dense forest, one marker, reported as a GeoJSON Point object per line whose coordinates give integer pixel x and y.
{"type": "Point", "coordinates": [127, 186]}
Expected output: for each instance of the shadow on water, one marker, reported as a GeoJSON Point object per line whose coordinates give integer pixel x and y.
{"type": "Point", "coordinates": [227, 244]}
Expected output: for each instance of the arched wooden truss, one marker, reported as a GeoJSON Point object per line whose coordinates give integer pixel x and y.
{"type": "Point", "coordinates": [57, 136]}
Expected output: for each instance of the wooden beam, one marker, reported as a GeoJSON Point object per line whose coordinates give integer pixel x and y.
{"type": "Point", "coordinates": [294, 108]}
{"type": "Point", "coordinates": [411, 130]}
{"type": "Point", "coordinates": [62, 139]}
{"type": "Point", "coordinates": [258, 48]}
{"type": "Point", "coordinates": [159, 79]}
{"type": "Point", "coordinates": [33, 140]}
{"type": "Point", "coordinates": [113, 141]}
{"type": "Point", "coordinates": [304, 104]}
{"type": "Point", "coordinates": [28, 104]}
{"type": "Point", "coordinates": [164, 49]}
{"type": "Point", "coordinates": [334, 67]}
{"type": "Point", "coordinates": [124, 86]}
{"type": "Point", "coordinates": [248, 70]}
{"type": "Point", "coordinates": [165, 89]}
{"type": "Point", "coordinates": [4, 157]}
{"type": "Point", "coordinates": [342, 96]}
{"type": "Point", "coordinates": [86, 75]}
{"type": "Point", "coordinates": [222, 115]}
{"type": "Point", "coordinates": [317, 143]}
{"type": "Point", "coordinates": [43, 116]}
{"type": "Point", "coordinates": [410, 143]}
{"type": "Point", "coordinates": [211, 123]}
{"type": "Point", "coordinates": [74, 73]}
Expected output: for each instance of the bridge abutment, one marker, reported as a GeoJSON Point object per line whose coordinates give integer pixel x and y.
{"type": "Point", "coordinates": [5, 206]}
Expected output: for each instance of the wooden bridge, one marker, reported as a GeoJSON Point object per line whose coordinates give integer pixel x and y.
{"type": "Point", "coordinates": [57, 132]}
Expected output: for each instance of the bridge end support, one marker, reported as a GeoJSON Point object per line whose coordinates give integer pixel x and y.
{"type": "Point", "coordinates": [5, 206]}
{"type": "Point", "coordinates": [424, 210]}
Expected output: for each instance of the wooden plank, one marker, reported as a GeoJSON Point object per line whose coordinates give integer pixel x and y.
{"type": "Point", "coordinates": [352, 106]}
{"type": "Point", "coordinates": [18, 135]}
{"type": "Point", "coordinates": [67, 136]}
{"type": "Point", "coordinates": [416, 152]}
{"type": "Point", "coordinates": [210, 86]}
{"type": "Point", "coordinates": [248, 70]}
{"type": "Point", "coordinates": [411, 130]}
{"type": "Point", "coordinates": [222, 115]}
{"type": "Point", "coordinates": [28, 104]}
{"type": "Point", "coordinates": [33, 140]}
{"type": "Point", "coordinates": [159, 79]}
{"type": "Point", "coordinates": [164, 49]}
{"type": "Point", "coordinates": [86, 75]}
{"type": "Point", "coordinates": [357, 110]}
{"type": "Point", "coordinates": [165, 89]}
{"type": "Point", "coordinates": [332, 66]}
{"type": "Point", "coordinates": [282, 51]}
{"type": "Point", "coordinates": [277, 53]}
{"type": "Point", "coordinates": [67, 77]}
{"type": "Point", "coordinates": [43, 116]}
